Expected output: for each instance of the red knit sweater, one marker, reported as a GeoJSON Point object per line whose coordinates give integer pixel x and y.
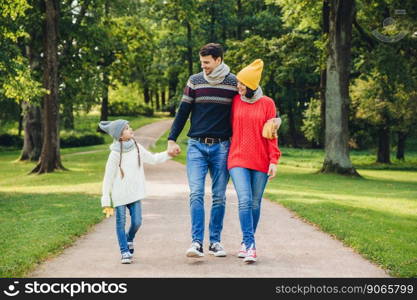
{"type": "Point", "coordinates": [248, 148]}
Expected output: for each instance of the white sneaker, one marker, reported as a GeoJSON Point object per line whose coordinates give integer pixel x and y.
{"type": "Point", "coordinates": [242, 252]}
{"type": "Point", "coordinates": [217, 249]}
{"type": "Point", "coordinates": [131, 247]}
{"type": "Point", "coordinates": [251, 256]}
{"type": "Point", "coordinates": [126, 258]}
{"type": "Point", "coordinates": [196, 250]}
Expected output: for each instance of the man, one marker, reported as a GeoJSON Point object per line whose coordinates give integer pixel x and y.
{"type": "Point", "coordinates": [208, 97]}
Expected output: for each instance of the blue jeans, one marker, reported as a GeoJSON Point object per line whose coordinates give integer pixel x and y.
{"type": "Point", "coordinates": [249, 185]}
{"type": "Point", "coordinates": [203, 158]}
{"type": "Point", "coordinates": [135, 209]}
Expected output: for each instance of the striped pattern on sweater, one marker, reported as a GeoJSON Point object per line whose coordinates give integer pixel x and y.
{"type": "Point", "coordinates": [209, 106]}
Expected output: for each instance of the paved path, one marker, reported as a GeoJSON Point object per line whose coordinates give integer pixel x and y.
{"type": "Point", "coordinates": [287, 247]}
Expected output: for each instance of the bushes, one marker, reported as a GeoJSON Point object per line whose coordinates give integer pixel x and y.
{"type": "Point", "coordinates": [11, 140]}
{"type": "Point", "coordinates": [77, 140]}
{"type": "Point", "coordinates": [67, 140]}
{"type": "Point", "coordinates": [123, 108]}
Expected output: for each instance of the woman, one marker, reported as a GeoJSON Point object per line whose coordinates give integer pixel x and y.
{"type": "Point", "coordinates": [252, 158]}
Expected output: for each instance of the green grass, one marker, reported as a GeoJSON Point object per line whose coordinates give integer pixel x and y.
{"type": "Point", "coordinates": [40, 215]}
{"type": "Point", "coordinates": [376, 215]}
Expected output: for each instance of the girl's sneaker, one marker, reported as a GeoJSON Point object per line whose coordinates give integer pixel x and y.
{"type": "Point", "coordinates": [251, 255]}
{"type": "Point", "coordinates": [126, 258]}
{"type": "Point", "coordinates": [242, 252]}
{"type": "Point", "coordinates": [131, 247]}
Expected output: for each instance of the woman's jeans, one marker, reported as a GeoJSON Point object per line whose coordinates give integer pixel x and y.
{"type": "Point", "coordinates": [203, 158]}
{"type": "Point", "coordinates": [249, 185]}
{"type": "Point", "coordinates": [135, 209]}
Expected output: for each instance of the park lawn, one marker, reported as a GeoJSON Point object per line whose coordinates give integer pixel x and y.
{"type": "Point", "coordinates": [41, 215]}
{"type": "Point", "coordinates": [376, 215]}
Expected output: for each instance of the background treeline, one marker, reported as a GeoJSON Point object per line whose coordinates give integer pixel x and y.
{"type": "Point", "coordinates": [62, 58]}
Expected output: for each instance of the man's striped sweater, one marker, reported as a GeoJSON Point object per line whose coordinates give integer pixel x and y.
{"type": "Point", "coordinates": [209, 105]}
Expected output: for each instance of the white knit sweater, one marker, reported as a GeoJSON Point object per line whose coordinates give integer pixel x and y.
{"type": "Point", "coordinates": [132, 187]}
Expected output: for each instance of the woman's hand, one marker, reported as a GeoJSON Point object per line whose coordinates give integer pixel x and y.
{"type": "Point", "coordinates": [270, 128]}
{"type": "Point", "coordinates": [272, 171]}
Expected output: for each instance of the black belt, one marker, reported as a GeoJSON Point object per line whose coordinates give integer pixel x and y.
{"type": "Point", "coordinates": [209, 140]}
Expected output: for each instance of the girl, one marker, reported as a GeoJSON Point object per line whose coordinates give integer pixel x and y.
{"type": "Point", "coordinates": [252, 157]}
{"type": "Point", "coordinates": [124, 182]}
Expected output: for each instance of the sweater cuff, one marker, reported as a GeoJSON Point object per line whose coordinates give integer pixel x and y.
{"type": "Point", "coordinates": [167, 155]}
{"type": "Point", "coordinates": [105, 201]}
{"type": "Point", "coordinates": [274, 161]}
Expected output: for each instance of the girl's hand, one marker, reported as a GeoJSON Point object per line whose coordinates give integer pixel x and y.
{"type": "Point", "coordinates": [272, 171]}
{"type": "Point", "coordinates": [108, 211]}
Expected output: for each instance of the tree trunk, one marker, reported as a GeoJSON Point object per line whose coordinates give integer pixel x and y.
{"type": "Point", "coordinates": [325, 30]}
{"type": "Point", "coordinates": [151, 98]}
{"type": "Point", "coordinates": [212, 34]}
{"type": "Point", "coordinates": [32, 143]}
{"type": "Point", "coordinates": [239, 20]}
{"type": "Point", "coordinates": [189, 49]}
{"type": "Point", "coordinates": [158, 106]}
{"type": "Point", "coordinates": [50, 158]}
{"type": "Point", "coordinates": [163, 98]}
{"type": "Point", "coordinates": [402, 137]}
{"type": "Point", "coordinates": [146, 95]}
{"type": "Point", "coordinates": [105, 100]}
{"type": "Point", "coordinates": [32, 122]}
{"type": "Point", "coordinates": [337, 158]}
{"type": "Point", "coordinates": [383, 145]}
{"type": "Point", "coordinates": [19, 130]}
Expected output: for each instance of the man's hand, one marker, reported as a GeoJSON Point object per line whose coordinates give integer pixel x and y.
{"type": "Point", "coordinates": [272, 171]}
{"type": "Point", "coordinates": [270, 128]}
{"type": "Point", "coordinates": [173, 148]}
{"type": "Point", "coordinates": [108, 211]}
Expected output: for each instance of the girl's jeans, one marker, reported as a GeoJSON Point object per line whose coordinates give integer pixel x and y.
{"type": "Point", "coordinates": [135, 209]}
{"type": "Point", "coordinates": [249, 185]}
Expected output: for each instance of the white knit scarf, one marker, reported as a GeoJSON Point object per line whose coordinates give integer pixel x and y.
{"type": "Point", "coordinates": [256, 96]}
{"type": "Point", "coordinates": [218, 74]}
{"type": "Point", "coordinates": [127, 146]}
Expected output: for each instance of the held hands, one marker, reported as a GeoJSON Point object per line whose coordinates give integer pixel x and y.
{"type": "Point", "coordinates": [108, 211]}
{"type": "Point", "coordinates": [270, 129]}
{"type": "Point", "coordinates": [272, 171]}
{"type": "Point", "coordinates": [173, 148]}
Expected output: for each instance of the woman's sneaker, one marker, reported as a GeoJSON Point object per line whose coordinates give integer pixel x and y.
{"type": "Point", "coordinates": [242, 252]}
{"type": "Point", "coordinates": [131, 247]}
{"type": "Point", "coordinates": [217, 249]}
{"type": "Point", "coordinates": [196, 250]}
{"type": "Point", "coordinates": [126, 258]}
{"type": "Point", "coordinates": [251, 255]}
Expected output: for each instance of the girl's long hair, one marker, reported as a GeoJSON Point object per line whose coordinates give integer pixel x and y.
{"type": "Point", "coordinates": [121, 152]}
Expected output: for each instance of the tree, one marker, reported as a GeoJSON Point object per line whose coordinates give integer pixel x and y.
{"type": "Point", "coordinates": [50, 158]}
{"type": "Point", "coordinates": [337, 158]}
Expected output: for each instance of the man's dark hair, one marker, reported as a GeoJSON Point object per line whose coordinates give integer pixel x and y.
{"type": "Point", "coordinates": [213, 49]}
{"type": "Point", "coordinates": [249, 93]}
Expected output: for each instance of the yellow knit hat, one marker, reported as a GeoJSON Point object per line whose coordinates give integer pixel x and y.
{"type": "Point", "coordinates": [251, 75]}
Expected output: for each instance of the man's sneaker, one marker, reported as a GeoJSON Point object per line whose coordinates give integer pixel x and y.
{"type": "Point", "coordinates": [251, 255]}
{"type": "Point", "coordinates": [131, 247]}
{"type": "Point", "coordinates": [217, 249]}
{"type": "Point", "coordinates": [196, 250]}
{"type": "Point", "coordinates": [126, 258]}
{"type": "Point", "coordinates": [242, 252]}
